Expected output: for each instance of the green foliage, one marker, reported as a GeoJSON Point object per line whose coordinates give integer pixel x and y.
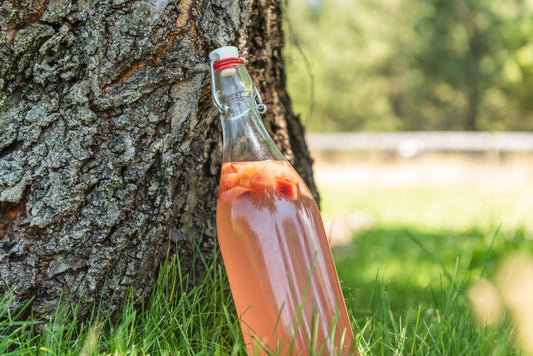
{"type": "Point", "coordinates": [412, 64]}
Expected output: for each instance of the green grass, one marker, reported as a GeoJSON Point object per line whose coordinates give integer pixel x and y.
{"type": "Point", "coordinates": [435, 207]}
{"type": "Point", "coordinates": [180, 319]}
{"type": "Point", "coordinates": [408, 269]}
{"type": "Point", "coordinates": [405, 277]}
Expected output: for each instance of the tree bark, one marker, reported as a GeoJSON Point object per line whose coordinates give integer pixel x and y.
{"type": "Point", "coordinates": [110, 147]}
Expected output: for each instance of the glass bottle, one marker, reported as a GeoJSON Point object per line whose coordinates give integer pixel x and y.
{"type": "Point", "coordinates": [275, 250]}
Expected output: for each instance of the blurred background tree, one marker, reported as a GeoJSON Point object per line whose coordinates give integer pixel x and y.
{"type": "Point", "coordinates": [386, 65]}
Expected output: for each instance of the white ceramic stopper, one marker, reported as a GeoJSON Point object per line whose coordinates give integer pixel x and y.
{"type": "Point", "coordinates": [223, 53]}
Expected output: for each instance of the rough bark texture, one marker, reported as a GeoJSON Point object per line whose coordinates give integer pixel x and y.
{"type": "Point", "coordinates": [110, 146]}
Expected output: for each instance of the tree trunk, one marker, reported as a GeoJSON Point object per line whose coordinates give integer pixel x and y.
{"type": "Point", "coordinates": [110, 147]}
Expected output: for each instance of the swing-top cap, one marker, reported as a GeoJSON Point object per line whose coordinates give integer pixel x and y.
{"type": "Point", "coordinates": [225, 59]}
{"type": "Point", "coordinates": [223, 53]}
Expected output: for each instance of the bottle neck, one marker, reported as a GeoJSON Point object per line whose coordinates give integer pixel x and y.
{"type": "Point", "coordinates": [244, 135]}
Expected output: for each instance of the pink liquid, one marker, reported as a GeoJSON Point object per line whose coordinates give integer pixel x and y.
{"type": "Point", "coordinates": [279, 264]}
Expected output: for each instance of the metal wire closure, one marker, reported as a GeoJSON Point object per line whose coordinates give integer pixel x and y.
{"type": "Point", "coordinates": [223, 108]}
{"type": "Point", "coordinates": [261, 108]}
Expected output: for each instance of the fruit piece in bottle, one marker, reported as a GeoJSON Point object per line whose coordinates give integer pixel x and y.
{"type": "Point", "coordinates": [281, 272]}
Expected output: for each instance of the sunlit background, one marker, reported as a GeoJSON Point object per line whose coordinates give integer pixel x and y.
{"type": "Point", "coordinates": [430, 185]}
{"type": "Point", "coordinates": [411, 64]}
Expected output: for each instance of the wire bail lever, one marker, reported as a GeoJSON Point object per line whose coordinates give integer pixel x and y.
{"type": "Point", "coordinates": [223, 108]}
{"type": "Point", "coordinates": [261, 108]}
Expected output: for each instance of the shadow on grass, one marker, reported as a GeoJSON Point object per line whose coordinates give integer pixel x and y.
{"type": "Point", "coordinates": [415, 265]}
{"type": "Point", "coordinates": [408, 285]}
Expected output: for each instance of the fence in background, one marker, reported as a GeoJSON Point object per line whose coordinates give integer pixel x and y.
{"type": "Point", "coordinates": [409, 144]}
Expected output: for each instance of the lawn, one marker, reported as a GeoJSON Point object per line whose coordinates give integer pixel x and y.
{"type": "Point", "coordinates": [406, 273]}
{"type": "Point", "coordinates": [408, 268]}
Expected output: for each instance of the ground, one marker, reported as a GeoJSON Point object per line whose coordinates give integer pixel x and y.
{"type": "Point", "coordinates": [493, 175]}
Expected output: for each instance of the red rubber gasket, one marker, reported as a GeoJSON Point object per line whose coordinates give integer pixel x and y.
{"type": "Point", "coordinates": [227, 63]}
